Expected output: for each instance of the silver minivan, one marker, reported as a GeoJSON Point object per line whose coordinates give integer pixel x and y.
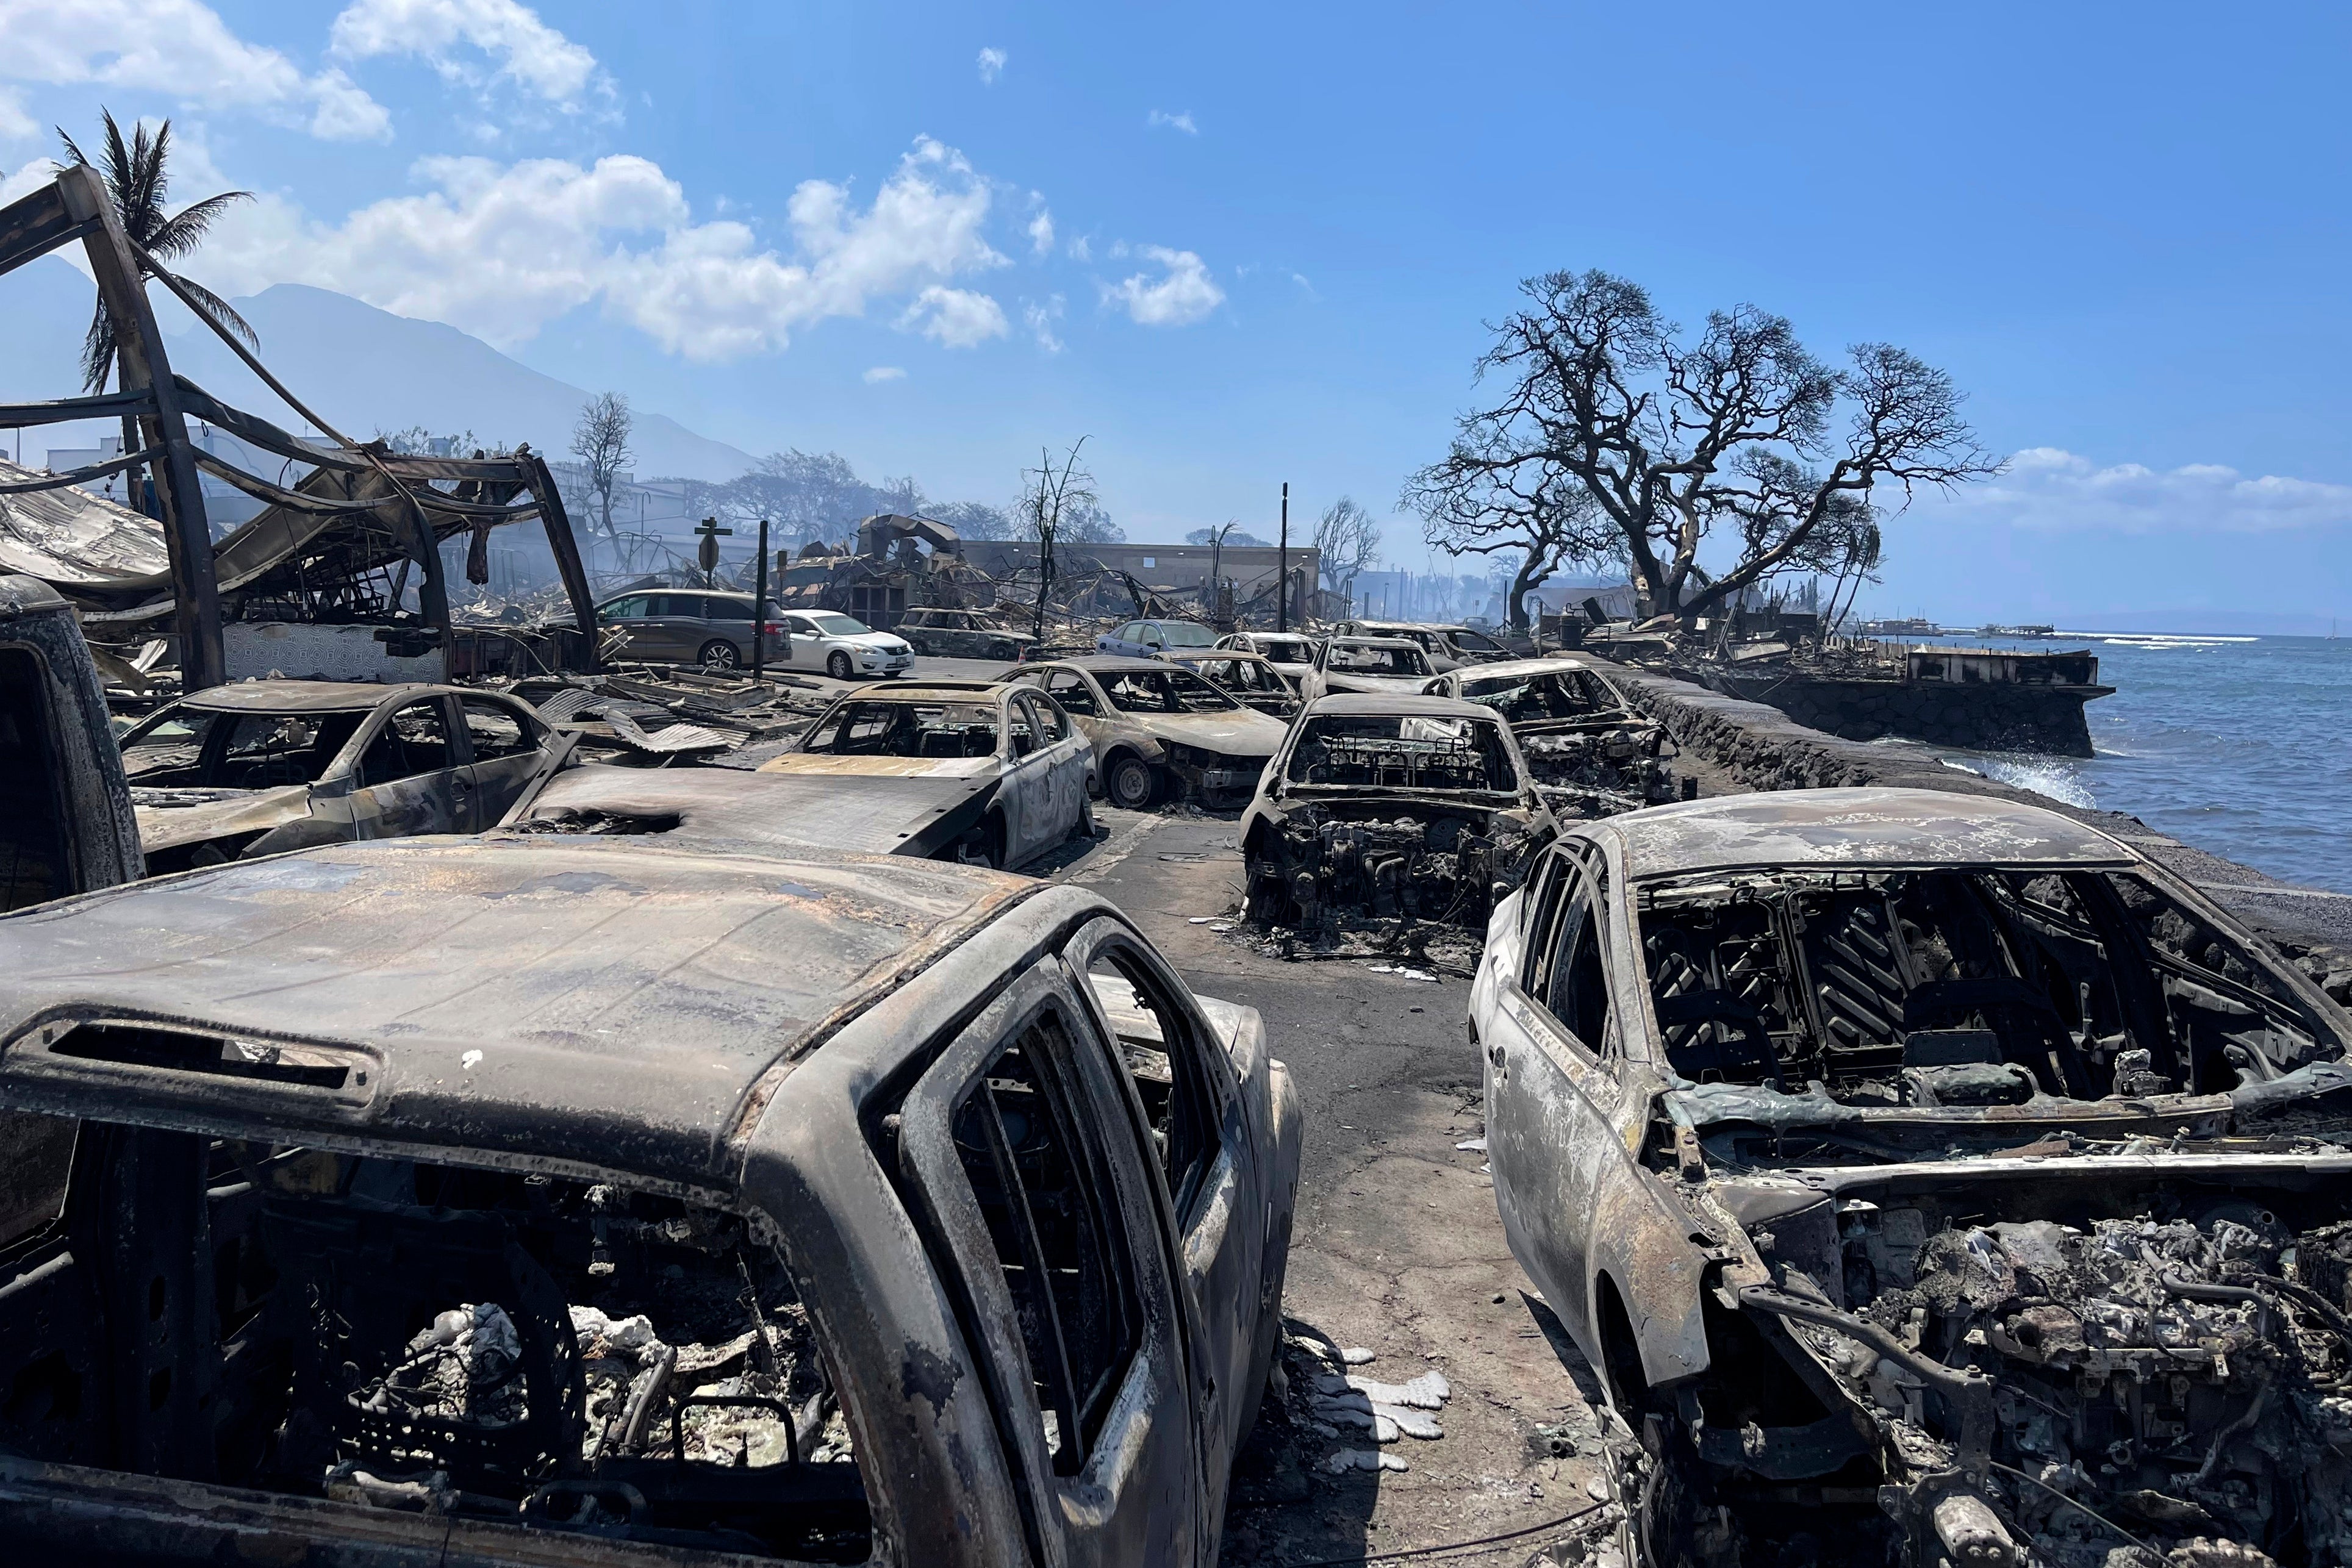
{"type": "Point", "coordinates": [691, 626]}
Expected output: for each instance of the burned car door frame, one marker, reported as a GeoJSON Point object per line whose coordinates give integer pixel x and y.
{"type": "Point", "coordinates": [1104, 1463]}
{"type": "Point", "coordinates": [393, 798]}
{"type": "Point", "coordinates": [1556, 1038]}
{"type": "Point", "coordinates": [1211, 1172]}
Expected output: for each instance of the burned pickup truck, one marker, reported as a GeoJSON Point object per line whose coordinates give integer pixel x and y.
{"type": "Point", "coordinates": [1592, 751]}
{"type": "Point", "coordinates": [593, 1201]}
{"type": "Point", "coordinates": [1408, 807]}
{"type": "Point", "coordinates": [1932, 1175]}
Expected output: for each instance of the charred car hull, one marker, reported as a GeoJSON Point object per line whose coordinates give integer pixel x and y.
{"type": "Point", "coordinates": [1387, 858]}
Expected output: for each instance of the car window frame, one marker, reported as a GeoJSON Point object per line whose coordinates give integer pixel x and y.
{"type": "Point", "coordinates": [532, 730]}
{"type": "Point", "coordinates": [1213, 1066]}
{"type": "Point", "coordinates": [931, 1172]}
{"type": "Point", "coordinates": [381, 722]}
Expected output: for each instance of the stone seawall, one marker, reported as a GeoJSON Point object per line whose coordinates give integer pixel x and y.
{"type": "Point", "coordinates": [1991, 716]}
{"type": "Point", "coordinates": [1761, 748]}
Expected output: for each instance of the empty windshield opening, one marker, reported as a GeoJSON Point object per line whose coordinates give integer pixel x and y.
{"type": "Point", "coordinates": [1164, 691]}
{"type": "Point", "coordinates": [1962, 988]}
{"type": "Point", "coordinates": [199, 748]}
{"type": "Point", "coordinates": [1532, 699]}
{"type": "Point", "coordinates": [1407, 751]}
{"type": "Point", "coordinates": [943, 730]}
{"type": "Point", "coordinates": [1358, 658]}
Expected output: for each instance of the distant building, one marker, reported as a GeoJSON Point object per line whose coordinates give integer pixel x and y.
{"type": "Point", "coordinates": [1251, 570]}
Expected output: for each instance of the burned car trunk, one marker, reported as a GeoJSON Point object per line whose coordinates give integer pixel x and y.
{"type": "Point", "coordinates": [1933, 1177]}
{"type": "Point", "coordinates": [1417, 808]}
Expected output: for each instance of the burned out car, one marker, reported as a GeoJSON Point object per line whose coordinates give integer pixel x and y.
{"type": "Point", "coordinates": [1158, 729]}
{"type": "Point", "coordinates": [1251, 679]}
{"type": "Point", "coordinates": [600, 1202]}
{"type": "Point", "coordinates": [1930, 1173]}
{"type": "Point", "coordinates": [1592, 751]}
{"type": "Point", "coordinates": [259, 767]}
{"type": "Point", "coordinates": [1448, 647]}
{"type": "Point", "coordinates": [962, 634]}
{"type": "Point", "coordinates": [1366, 665]}
{"type": "Point", "coordinates": [1012, 774]}
{"type": "Point", "coordinates": [1292, 652]}
{"type": "Point", "coordinates": [1415, 807]}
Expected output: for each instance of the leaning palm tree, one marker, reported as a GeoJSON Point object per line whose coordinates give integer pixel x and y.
{"type": "Point", "coordinates": [137, 177]}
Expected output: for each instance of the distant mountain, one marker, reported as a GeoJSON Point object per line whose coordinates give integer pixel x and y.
{"type": "Point", "coordinates": [363, 368]}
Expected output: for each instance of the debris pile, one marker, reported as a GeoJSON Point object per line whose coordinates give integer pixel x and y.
{"type": "Point", "coordinates": [2186, 1381]}
{"type": "Point", "coordinates": [652, 716]}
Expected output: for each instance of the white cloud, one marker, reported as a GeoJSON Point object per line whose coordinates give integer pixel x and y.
{"type": "Point", "coordinates": [955, 318]}
{"type": "Point", "coordinates": [1041, 231]}
{"type": "Point", "coordinates": [992, 65]}
{"type": "Point", "coordinates": [182, 50]}
{"type": "Point", "coordinates": [2046, 487]}
{"type": "Point", "coordinates": [15, 125]}
{"type": "Point", "coordinates": [527, 51]}
{"type": "Point", "coordinates": [1082, 249]}
{"type": "Point", "coordinates": [1183, 122]}
{"type": "Point", "coordinates": [881, 373]}
{"type": "Point", "coordinates": [1182, 294]}
{"type": "Point", "coordinates": [1040, 319]}
{"type": "Point", "coordinates": [499, 250]}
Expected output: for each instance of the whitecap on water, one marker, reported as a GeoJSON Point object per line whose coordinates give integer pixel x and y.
{"type": "Point", "coordinates": [2051, 776]}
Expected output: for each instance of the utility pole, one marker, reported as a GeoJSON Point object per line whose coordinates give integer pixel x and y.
{"type": "Point", "coordinates": [760, 610]}
{"type": "Point", "coordinates": [1282, 568]}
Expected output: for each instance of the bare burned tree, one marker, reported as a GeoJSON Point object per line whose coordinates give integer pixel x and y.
{"type": "Point", "coordinates": [1051, 494]}
{"type": "Point", "coordinates": [1533, 510]}
{"type": "Point", "coordinates": [1347, 543]}
{"type": "Point", "coordinates": [600, 441]}
{"type": "Point", "coordinates": [1616, 438]}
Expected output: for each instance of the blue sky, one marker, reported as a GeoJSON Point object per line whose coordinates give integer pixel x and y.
{"type": "Point", "coordinates": [1275, 233]}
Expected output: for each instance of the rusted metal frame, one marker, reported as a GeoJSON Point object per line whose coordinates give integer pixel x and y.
{"type": "Point", "coordinates": [141, 366]}
{"type": "Point", "coordinates": [541, 485]}
{"type": "Point", "coordinates": [95, 471]}
{"type": "Point", "coordinates": [56, 411]}
{"type": "Point", "coordinates": [255, 430]}
{"type": "Point", "coordinates": [512, 470]}
{"type": "Point", "coordinates": [34, 224]}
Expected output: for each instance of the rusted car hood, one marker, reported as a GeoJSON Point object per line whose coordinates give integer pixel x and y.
{"type": "Point", "coordinates": [819, 765]}
{"type": "Point", "coordinates": [169, 819]}
{"type": "Point", "coordinates": [888, 813]}
{"type": "Point", "coordinates": [1242, 733]}
{"type": "Point", "coordinates": [605, 1002]}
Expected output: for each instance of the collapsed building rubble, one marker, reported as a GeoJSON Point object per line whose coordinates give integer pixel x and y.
{"type": "Point", "coordinates": [339, 573]}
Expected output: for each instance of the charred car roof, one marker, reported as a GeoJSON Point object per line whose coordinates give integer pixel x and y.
{"type": "Point", "coordinates": [613, 1004]}
{"type": "Point", "coordinates": [306, 697]}
{"type": "Point", "coordinates": [1829, 828]}
{"type": "Point", "coordinates": [1523, 669]}
{"type": "Point", "coordinates": [1105, 663]}
{"type": "Point", "coordinates": [1381, 704]}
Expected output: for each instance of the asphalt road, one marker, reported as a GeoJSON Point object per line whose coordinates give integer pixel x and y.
{"type": "Point", "coordinates": [1396, 1248]}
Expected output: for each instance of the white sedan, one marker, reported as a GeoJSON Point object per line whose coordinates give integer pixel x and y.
{"type": "Point", "coordinates": [843, 646]}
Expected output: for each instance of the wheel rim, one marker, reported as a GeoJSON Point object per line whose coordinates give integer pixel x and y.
{"type": "Point", "coordinates": [839, 666]}
{"type": "Point", "coordinates": [720, 656]}
{"type": "Point", "coordinates": [1130, 785]}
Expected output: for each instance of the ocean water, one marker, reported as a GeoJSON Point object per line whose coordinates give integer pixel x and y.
{"type": "Point", "coordinates": [2240, 747]}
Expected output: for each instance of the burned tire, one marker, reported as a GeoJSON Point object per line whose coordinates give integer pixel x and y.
{"type": "Point", "coordinates": [1003, 651]}
{"type": "Point", "coordinates": [719, 654]}
{"type": "Point", "coordinates": [1262, 904]}
{"type": "Point", "coordinates": [1129, 784]}
{"type": "Point", "coordinates": [839, 667]}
